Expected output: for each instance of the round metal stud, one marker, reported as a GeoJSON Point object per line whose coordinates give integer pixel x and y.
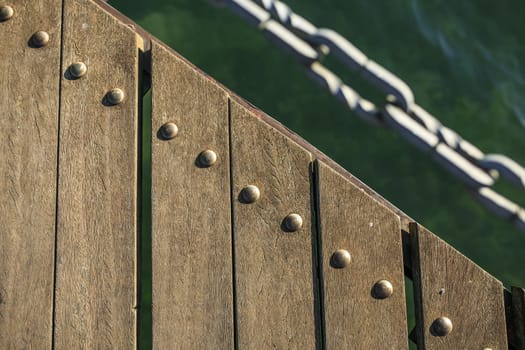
{"type": "Point", "coordinates": [207, 158]}
{"type": "Point", "coordinates": [293, 222]}
{"type": "Point", "coordinates": [382, 289]}
{"type": "Point", "coordinates": [78, 70]}
{"type": "Point", "coordinates": [40, 39]}
{"type": "Point", "coordinates": [250, 194]}
{"type": "Point", "coordinates": [441, 327]}
{"type": "Point", "coordinates": [340, 259]}
{"type": "Point", "coordinates": [168, 131]}
{"type": "Point", "coordinates": [115, 96]}
{"type": "Point", "coordinates": [6, 12]}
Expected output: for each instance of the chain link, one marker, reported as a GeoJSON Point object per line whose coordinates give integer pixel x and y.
{"type": "Point", "coordinates": [309, 44]}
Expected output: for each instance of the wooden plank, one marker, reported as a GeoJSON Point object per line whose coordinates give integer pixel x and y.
{"type": "Point", "coordinates": [28, 139]}
{"type": "Point", "coordinates": [518, 317]}
{"type": "Point", "coordinates": [273, 268]}
{"type": "Point", "coordinates": [405, 219]}
{"type": "Point", "coordinates": [357, 314]}
{"type": "Point", "coordinates": [191, 214]}
{"type": "Point", "coordinates": [447, 284]}
{"type": "Point", "coordinates": [96, 238]}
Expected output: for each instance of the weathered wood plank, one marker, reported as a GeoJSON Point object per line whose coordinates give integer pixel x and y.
{"type": "Point", "coordinates": [518, 317]}
{"type": "Point", "coordinates": [28, 139]}
{"type": "Point", "coordinates": [447, 284]}
{"type": "Point", "coordinates": [191, 213]}
{"type": "Point", "coordinates": [273, 267]}
{"type": "Point", "coordinates": [317, 154]}
{"type": "Point", "coordinates": [359, 312]}
{"type": "Point", "coordinates": [96, 238]}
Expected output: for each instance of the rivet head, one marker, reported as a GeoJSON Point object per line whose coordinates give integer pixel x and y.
{"type": "Point", "coordinates": [207, 158]}
{"type": "Point", "coordinates": [78, 70]}
{"type": "Point", "coordinates": [249, 194]}
{"type": "Point", "coordinates": [382, 289]}
{"type": "Point", "coordinates": [40, 39]}
{"type": "Point", "coordinates": [340, 259]}
{"type": "Point", "coordinates": [6, 12]}
{"type": "Point", "coordinates": [441, 327]}
{"type": "Point", "coordinates": [293, 222]}
{"type": "Point", "coordinates": [168, 131]}
{"type": "Point", "coordinates": [115, 96]}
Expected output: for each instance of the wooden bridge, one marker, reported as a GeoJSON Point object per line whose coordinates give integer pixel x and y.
{"type": "Point", "coordinates": [258, 240]}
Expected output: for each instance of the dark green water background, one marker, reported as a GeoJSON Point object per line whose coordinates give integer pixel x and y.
{"type": "Point", "coordinates": [464, 60]}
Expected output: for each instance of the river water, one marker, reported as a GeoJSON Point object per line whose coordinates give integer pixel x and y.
{"type": "Point", "coordinates": [463, 59]}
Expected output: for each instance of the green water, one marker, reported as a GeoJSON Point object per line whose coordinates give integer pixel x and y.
{"type": "Point", "coordinates": [464, 61]}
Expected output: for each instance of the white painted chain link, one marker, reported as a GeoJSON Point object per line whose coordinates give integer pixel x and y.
{"type": "Point", "coordinates": [309, 44]}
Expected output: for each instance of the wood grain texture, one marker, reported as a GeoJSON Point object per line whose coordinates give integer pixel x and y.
{"type": "Point", "coordinates": [317, 154]}
{"type": "Point", "coordinates": [96, 238]}
{"type": "Point", "coordinates": [352, 220]}
{"type": "Point", "coordinates": [447, 284]}
{"type": "Point", "coordinates": [29, 87]}
{"type": "Point", "coordinates": [191, 214]}
{"type": "Point", "coordinates": [518, 317]}
{"type": "Point", "coordinates": [274, 282]}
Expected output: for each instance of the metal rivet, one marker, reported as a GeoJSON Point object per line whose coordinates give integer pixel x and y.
{"type": "Point", "coordinates": [441, 327]}
{"type": "Point", "coordinates": [293, 222]}
{"type": "Point", "coordinates": [250, 194]}
{"type": "Point", "coordinates": [6, 12]}
{"type": "Point", "coordinates": [78, 70]}
{"type": "Point", "coordinates": [115, 96]}
{"type": "Point", "coordinates": [382, 289]}
{"type": "Point", "coordinates": [168, 131]}
{"type": "Point", "coordinates": [207, 158]}
{"type": "Point", "coordinates": [340, 259]}
{"type": "Point", "coordinates": [40, 39]}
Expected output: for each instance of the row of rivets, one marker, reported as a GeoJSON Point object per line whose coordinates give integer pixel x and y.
{"type": "Point", "coordinates": [341, 258]}
{"type": "Point", "coordinates": [76, 70]}
{"type": "Point", "coordinates": [250, 194]}
{"type": "Point", "coordinates": [79, 69]}
{"type": "Point", "coordinates": [293, 222]}
{"type": "Point", "coordinates": [38, 39]}
{"type": "Point", "coordinates": [383, 289]}
{"type": "Point", "coordinates": [169, 131]}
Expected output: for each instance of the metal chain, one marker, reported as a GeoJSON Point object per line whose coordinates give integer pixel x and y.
{"type": "Point", "coordinates": [309, 44]}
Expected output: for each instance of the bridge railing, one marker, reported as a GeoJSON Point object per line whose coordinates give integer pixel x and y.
{"type": "Point", "coordinates": [258, 240]}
